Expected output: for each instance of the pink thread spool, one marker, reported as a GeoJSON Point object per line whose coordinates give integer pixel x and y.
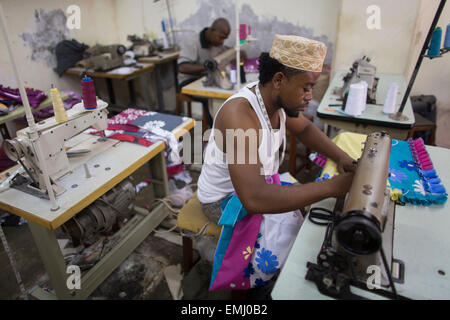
{"type": "Point", "coordinates": [242, 31]}
{"type": "Point", "coordinates": [88, 92]}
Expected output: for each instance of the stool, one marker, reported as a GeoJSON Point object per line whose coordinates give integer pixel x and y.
{"type": "Point", "coordinates": [423, 124]}
{"type": "Point", "coordinates": [191, 218]}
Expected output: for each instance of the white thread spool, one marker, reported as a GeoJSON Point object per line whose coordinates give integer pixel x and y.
{"type": "Point", "coordinates": [356, 99]}
{"type": "Point", "coordinates": [391, 99]}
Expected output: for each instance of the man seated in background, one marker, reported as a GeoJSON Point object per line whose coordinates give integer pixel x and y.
{"type": "Point", "coordinates": [205, 46]}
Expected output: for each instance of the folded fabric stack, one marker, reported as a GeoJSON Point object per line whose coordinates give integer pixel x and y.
{"type": "Point", "coordinates": [145, 128]}
{"type": "Point", "coordinates": [11, 97]}
{"type": "Point", "coordinates": [413, 178]}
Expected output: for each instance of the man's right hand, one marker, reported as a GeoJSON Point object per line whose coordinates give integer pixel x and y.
{"type": "Point", "coordinates": [341, 183]}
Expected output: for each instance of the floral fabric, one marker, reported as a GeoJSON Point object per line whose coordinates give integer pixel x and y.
{"type": "Point", "coordinates": [413, 178]}
{"type": "Point", "coordinates": [252, 247]}
{"type": "Point", "coordinates": [145, 128]}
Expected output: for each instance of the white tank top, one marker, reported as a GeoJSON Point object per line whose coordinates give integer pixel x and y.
{"type": "Point", "coordinates": [214, 182]}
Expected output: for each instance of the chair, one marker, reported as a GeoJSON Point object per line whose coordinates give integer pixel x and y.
{"type": "Point", "coordinates": [423, 124]}
{"type": "Point", "coordinates": [192, 219]}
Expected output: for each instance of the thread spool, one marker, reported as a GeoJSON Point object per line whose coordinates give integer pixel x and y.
{"type": "Point", "coordinates": [88, 92]}
{"type": "Point", "coordinates": [242, 73]}
{"type": "Point", "coordinates": [165, 41]}
{"type": "Point", "coordinates": [435, 45]}
{"type": "Point", "coordinates": [233, 76]}
{"type": "Point", "coordinates": [242, 31]}
{"type": "Point", "coordinates": [391, 99]}
{"type": "Point", "coordinates": [357, 96]}
{"type": "Point", "coordinates": [58, 106]}
{"type": "Point", "coordinates": [447, 38]}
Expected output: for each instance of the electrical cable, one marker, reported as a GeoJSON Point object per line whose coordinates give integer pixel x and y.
{"type": "Point", "coordinates": [13, 264]}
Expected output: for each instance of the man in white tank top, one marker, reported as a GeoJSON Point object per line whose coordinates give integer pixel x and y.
{"type": "Point", "coordinates": [267, 108]}
{"type": "Point", "coordinates": [287, 77]}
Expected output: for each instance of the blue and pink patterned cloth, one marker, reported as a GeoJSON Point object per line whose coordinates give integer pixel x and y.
{"type": "Point", "coordinates": [413, 178]}
{"type": "Point", "coordinates": [252, 247]}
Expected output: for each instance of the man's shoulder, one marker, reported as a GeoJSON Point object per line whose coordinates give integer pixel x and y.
{"type": "Point", "coordinates": [238, 113]}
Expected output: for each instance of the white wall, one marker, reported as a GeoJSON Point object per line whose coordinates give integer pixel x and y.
{"type": "Point", "coordinates": [389, 46]}
{"type": "Point", "coordinates": [98, 23]}
{"type": "Point", "coordinates": [434, 74]}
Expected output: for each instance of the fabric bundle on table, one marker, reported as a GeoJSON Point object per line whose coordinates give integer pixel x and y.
{"type": "Point", "coordinates": [413, 178]}
{"type": "Point", "coordinates": [145, 128]}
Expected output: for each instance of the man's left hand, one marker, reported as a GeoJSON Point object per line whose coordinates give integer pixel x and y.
{"type": "Point", "coordinates": [346, 164]}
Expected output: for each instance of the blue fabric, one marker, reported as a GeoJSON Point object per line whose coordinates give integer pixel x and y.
{"type": "Point", "coordinates": [418, 187]}
{"type": "Point", "coordinates": [232, 211]}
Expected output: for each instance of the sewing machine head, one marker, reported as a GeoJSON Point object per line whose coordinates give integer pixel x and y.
{"type": "Point", "coordinates": [360, 236]}
{"type": "Point", "coordinates": [362, 70]}
{"type": "Point", "coordinates": [103, 57]}
{"type": "Point", "coordinates": [216, 70]}
{"type": "Point", "coordinates": [51, 137]}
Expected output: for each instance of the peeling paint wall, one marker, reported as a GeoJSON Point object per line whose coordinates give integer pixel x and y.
{"type": "Point", "coordinates": [266, 19]}
{"type": "Point", "coordinates": [50, 28]}
{"type": "Point", "coordinates": [35, 27]}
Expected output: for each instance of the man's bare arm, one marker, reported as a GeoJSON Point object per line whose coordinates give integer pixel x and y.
{"type": "Point", "coordinates": [314, 138]}
{"type": "Point", "coordinates": [191, 68]}
{"type": "Point", "coordinates": [255, 194]}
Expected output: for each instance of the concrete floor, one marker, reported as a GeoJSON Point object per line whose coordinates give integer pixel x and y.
{"type": "Point", "coordinates": [140, 276]}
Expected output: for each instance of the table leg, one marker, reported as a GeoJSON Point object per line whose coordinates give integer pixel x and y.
{"type": "Point", "coordinates": [158, 175]}
{"type": "Point", "coordinates": [52, 258]}
{"type": "Point", "coordinates": [159, 89]}
{"type": "Point", "coordinates": [109, 86]}
{"type": "Point", "coordinates": [132, 93]}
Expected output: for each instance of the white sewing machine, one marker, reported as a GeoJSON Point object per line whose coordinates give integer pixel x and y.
{"type": "Point", "coordinates": [42, 152]}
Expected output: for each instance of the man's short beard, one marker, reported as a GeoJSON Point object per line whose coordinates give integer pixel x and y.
{"type": "Point", "coordinates": [289, 113]}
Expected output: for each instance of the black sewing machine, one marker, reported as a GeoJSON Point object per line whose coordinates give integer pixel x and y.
{"type": "Point", "coordinates": [358, 245]}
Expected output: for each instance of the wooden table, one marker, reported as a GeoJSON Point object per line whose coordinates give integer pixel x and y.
{"type": "Point", "coordinates": [20, 112]}
{"type": "Point", "coordinates": [421, 241]}
{"type": "Point", "coordinates": [372, 119]}
{"type": "Point", "coordinates": [107, 169]}
{"type": "Point", "coordinates": [216, 96]}
{"type": "Point", "coordinates": [122, 73]}
{"type": "Point", "coordinates": [160, 59]}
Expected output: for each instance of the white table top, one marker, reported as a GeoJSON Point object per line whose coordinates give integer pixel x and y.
{"type": "Point", "coordinates": [161, 57]}
{"type": "Point", "coordinates": [421, 241]}
{"type": "Point", "coordinates": [197, 88]}
{"type": "Point", "coordinates": [122, 159]}
{"type": "Point", "coordinates": [374, 113]}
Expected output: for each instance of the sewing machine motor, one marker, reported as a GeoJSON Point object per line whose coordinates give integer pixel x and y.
{"type": "Point", "coordinates": [358, 245]}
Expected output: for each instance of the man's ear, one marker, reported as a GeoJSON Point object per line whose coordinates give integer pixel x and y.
{"type": "Point", "coordinates": [278, 79]}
